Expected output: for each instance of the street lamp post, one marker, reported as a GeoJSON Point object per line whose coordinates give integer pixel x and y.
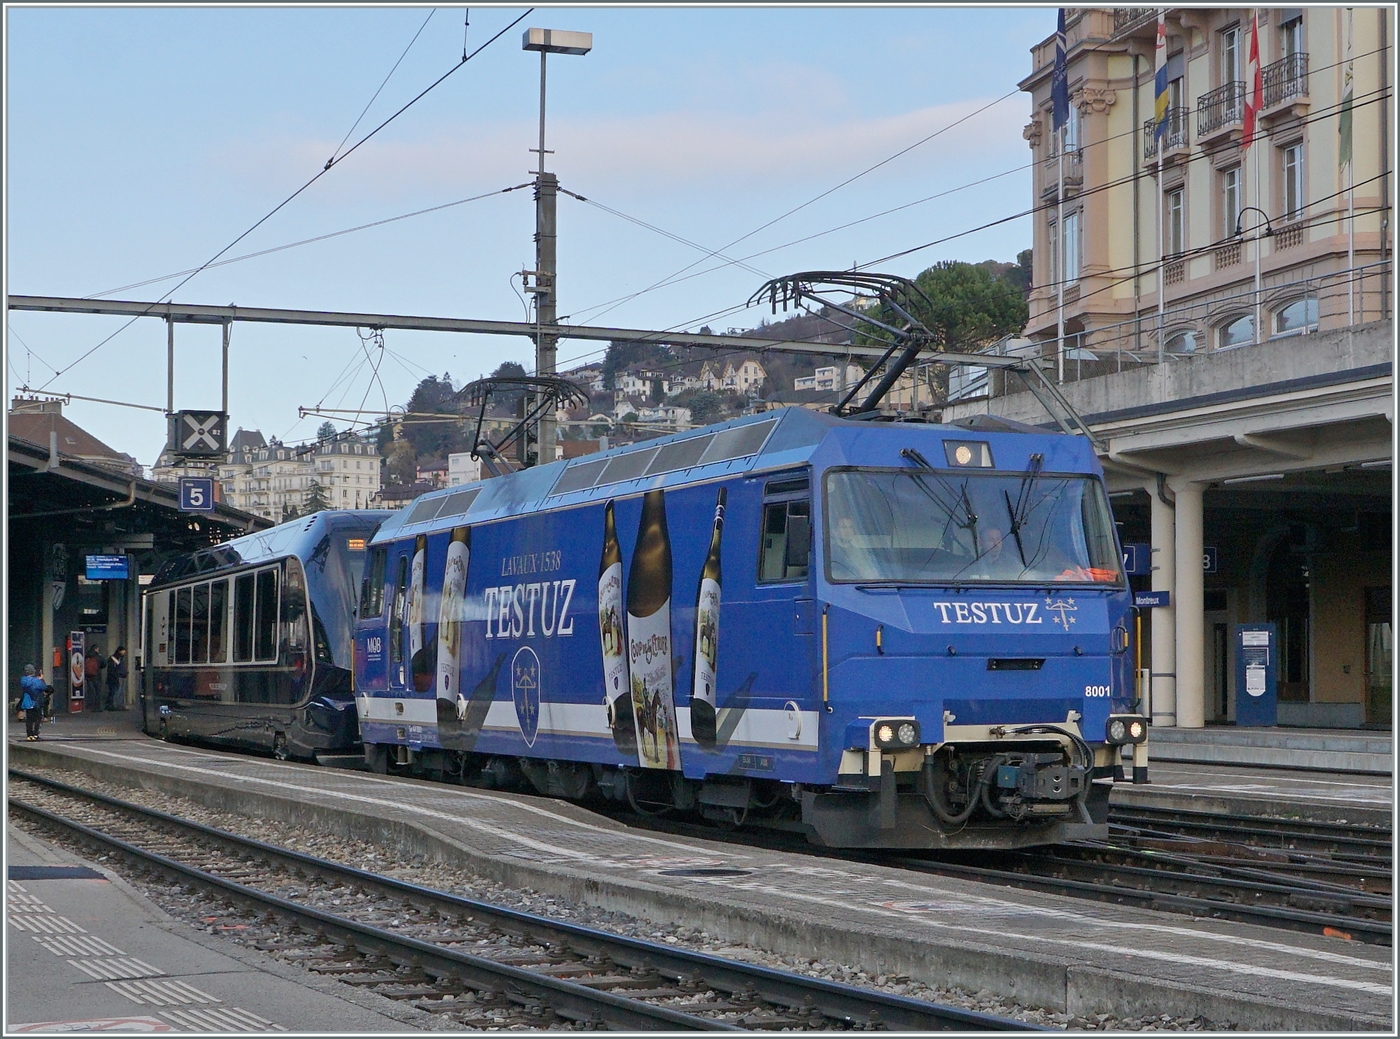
{"type": "Point", "coordinates": [547, 41]}
{"type": "Point", "coordinates": [1258, 272]}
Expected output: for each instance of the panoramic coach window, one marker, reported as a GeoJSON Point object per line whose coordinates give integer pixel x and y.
{"type": "Point", "coordinates": [786, 541]}
{"type": "Point", "coordinates": [218, 608]}
{"type": "Point", "coordinates": [182, 625]}
{"type": "Point", "coordinates": [243, 619]}
{"type": "Point", "coordinates": [199, 628]}
{"type": "Point", "coordinates": [265, 617]}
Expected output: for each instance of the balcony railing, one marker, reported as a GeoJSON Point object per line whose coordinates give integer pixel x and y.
{"type": "Point", "coordinates": [1125, 18]}
{"type": "Point", "coordinates": [1220, 108]}
{"type": "Point", "coordinates": [1174, 137]}
{"type": "Point", "coordinates": [1285, 79]}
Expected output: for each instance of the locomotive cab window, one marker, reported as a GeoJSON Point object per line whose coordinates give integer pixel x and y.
{"type": "Point", "coordinates": [372, 588]}
{"type": "Point", "coordinates": [786, 545]}
{"type": "Point", "coordinates": [396, 621]}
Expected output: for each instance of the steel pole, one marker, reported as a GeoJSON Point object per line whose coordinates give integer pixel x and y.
{"type": "Point", "coordinates": [227, 326]}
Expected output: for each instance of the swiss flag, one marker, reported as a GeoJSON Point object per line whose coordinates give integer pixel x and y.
{"type": "Point", "coordinates": [1254, 91]}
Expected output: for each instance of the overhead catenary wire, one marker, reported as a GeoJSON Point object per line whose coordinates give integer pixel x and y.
{"type": "Point", "coordinates": [312, 241]}
{"type": "Point", "coordinates": [384, 84]}
{"type": "Point", "coordinates": [322, 172]}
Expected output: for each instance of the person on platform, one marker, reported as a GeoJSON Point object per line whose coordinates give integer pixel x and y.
{"type": "Point", "coordinates": [92, 672]}
{"type": "Point", "coordinates": [31, 702]}
{"type": "Point", "coordinates": [116, 680]}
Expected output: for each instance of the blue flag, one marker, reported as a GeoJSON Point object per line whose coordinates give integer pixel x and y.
{"type": "Point", "coordinates": [1059, 81]}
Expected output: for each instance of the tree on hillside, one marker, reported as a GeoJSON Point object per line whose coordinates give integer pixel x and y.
{"type": "Point", "coordinates": [433, 395]}
{"type": "Point", "coordinates": [705, 407]}
{"type": "Point", "coordinates": [325, 430]}
{"type": "Point", "coordinates": [967, 306]}
{"type": "Point", "coordinates": [400, 463]}
{"type": "Point", "coordinates": [628, 354]}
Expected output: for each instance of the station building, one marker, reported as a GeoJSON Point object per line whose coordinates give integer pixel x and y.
{"type": "Point", "coordinates": [1229, 338]}
{"type": "Point", "coordinates": [71, 497]}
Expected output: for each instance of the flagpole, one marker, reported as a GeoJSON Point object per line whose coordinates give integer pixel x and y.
{"type": "Point", "coordinates": [1351, 200]}
{"type": "Point", "coordinates": [1161, 260]}
{"type": "Point", "coordinates": [1258, 250]}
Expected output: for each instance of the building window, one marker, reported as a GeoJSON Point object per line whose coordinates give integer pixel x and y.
{"type": "Point", "coordinates": [1182, 343]}
{"type": "Point", "coordinates": [1054, 254]}
{"type": "Point", "coordinates": [1230, 55]}
{"type": "Point", "coordinates": [1292, 180]}
{"type": "Point", "coordinates": [1290, 35]}
{"type": "Point", "coordinates": [1298, 318]}
{"type": "Point", "coordinates": [1072, 248]}
{"type": "Point", "coordinates": [1230, 200]}
{"type": "Point", "coordinates": [1238, 332]}
{"type": "Point", "coordinates": [1174, 221]}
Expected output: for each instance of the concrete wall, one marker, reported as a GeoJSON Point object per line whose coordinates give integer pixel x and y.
{"type": "Point", "coordinates": [1277, 360]}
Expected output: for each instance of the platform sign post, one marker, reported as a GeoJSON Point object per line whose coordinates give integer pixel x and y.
{"type": "Point", "coordinates": [1256, 674]}
{"type": "Point", "coordinates": [77, 673]}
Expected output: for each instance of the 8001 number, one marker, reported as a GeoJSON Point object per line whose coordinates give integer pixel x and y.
{"type": "Point", "coordinates": [1096, 690]}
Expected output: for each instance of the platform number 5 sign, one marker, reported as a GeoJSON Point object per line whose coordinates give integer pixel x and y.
{"type": "Point", "coordinates": [196, 494]}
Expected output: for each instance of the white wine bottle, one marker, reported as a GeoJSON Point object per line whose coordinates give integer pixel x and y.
{"type": "Point", "coordinates": [649, 638]}
{"type": "Point", "coordinates": [452, 609]}
{"type": "Point", "coordinates": [420, 654]}
{"type": "Point", "coordinates": [617, 692]}
{"type": "Point", "coordinates": [704, 667]}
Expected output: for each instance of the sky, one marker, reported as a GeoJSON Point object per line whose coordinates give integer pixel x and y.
{"type": "Point", "coordinates": [140, 142]}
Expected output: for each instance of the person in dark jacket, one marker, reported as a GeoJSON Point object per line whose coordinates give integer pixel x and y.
{"type": "Point", "coordinates": [92, 674]}
{"type": "Point", "coordinates": [116, 680]}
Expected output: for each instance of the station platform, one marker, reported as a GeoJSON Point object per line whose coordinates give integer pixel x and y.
{"type": "Point", "coordinates": [1364, 752]}
{"type": "Point", "coordinates": [88, 953]}
{"type": "Point", "coordinates": [1063, 954]}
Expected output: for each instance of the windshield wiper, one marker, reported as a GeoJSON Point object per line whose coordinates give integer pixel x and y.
{"type": "Point", "coordinates": [1017, 513]}
{"type": "Point", "coordinates": [960, 493]}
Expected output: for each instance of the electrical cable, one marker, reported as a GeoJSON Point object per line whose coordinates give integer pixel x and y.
{"type": "Point", "coordinates": [385, 83]}
{"type": "Point", "coordinates": [329, 165]}
{"type": "Point", "coordinates": [310, 241]}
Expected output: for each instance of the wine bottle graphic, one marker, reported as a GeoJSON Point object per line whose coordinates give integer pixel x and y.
{"type": "Point", "coordinates": [649, 638]}
{"type": "Point", "coordinates": [420, 653]}
{"type": "Point", "coordinates": [452, 615]}
{"type": "Point", "coordinates": [617, 690]}
{"type": "Point", "coordinates": [706, 657]}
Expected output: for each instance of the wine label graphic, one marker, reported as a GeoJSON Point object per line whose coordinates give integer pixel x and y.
{"type": "Point", "coordinates": [617, 690]}
{"type": "Point", "coordinates": [705, 666]}
{"type": "Point", "coordinates": [420, 654]}
{"type": "Point", "coordinates": [649, 639]}
{"type": "Point", "coordinates": [452, 610]}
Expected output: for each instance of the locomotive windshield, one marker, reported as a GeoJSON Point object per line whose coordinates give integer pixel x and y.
{"type": "Point", "coordinates": [928, 527]}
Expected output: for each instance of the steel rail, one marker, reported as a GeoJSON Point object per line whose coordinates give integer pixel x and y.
{"type": "Point", "coordinates": [1338, 834]}
{"type": "Point", "coordinates": [831, 999]}
{"type": "Point", "coordinates": [565, 998]}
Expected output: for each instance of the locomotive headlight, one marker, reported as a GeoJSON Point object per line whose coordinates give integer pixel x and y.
{"type": "Point", "coordinates": [1125, 728]}
{"type": "Point", "coordinates": [894, 733]}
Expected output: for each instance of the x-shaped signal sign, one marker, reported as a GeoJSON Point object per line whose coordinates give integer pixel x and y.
{"type": "Point", "coordinates": [203, 432]}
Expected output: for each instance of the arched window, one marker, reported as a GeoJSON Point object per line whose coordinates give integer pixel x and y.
{"type": "Point", "coordinates": [1238, 332]}
{"type": "Point", "coordinates": [1296, 318]}
{"type": "Point", "coordinates": [1183, 342]}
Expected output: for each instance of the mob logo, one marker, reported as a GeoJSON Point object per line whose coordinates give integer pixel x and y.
{"type": "Point", "coordinates": [525, 691]}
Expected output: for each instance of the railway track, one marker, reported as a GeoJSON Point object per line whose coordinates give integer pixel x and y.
{"type": "Point", "coordinates": [482, 965]}
{"type": "Point", "coordinates": [1342, 842]}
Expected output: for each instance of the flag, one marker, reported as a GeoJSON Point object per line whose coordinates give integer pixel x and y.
{"type": "Point", "coordinates": [1059, 80]}
{"type": "Point", "coordinates": [1344, 121]}
{"type": "Point", "coordinates": [1159, 110]}
{"type": "Point", "coordinates": [1254, 87]}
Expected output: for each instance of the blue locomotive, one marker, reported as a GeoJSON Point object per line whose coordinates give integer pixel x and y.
{"type": "Point", "coordinates": [247, 643]}
{"type": "Point", "coordinates": [886, 635]}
